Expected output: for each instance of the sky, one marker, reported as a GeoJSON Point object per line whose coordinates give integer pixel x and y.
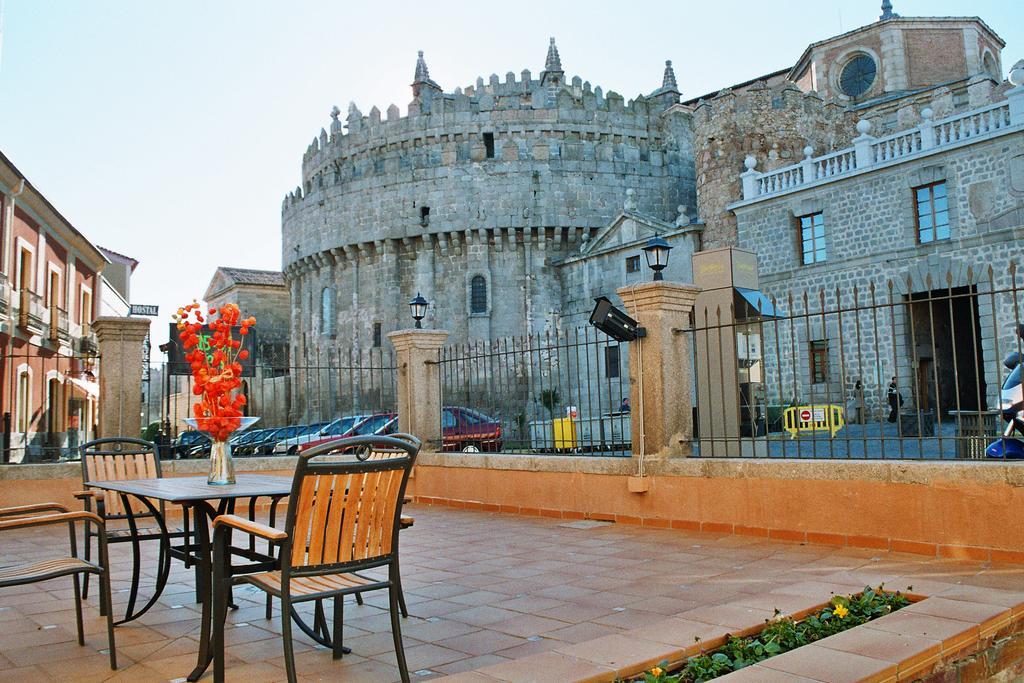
{"type": "Point", "coordinates": [171, 132]}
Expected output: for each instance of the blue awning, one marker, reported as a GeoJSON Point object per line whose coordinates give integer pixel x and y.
{"type": "Point", "coordinates": [758, 302]}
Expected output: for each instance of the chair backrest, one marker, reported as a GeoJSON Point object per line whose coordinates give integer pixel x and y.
{"type": "Point", "coordinates": [116, 459]}
{"type": "Point", "coordinates": [345, 515]}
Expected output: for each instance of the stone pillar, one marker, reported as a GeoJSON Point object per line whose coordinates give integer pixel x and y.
{"type": "Point", "coordinates": [120, 346]}
{"type": "Point", "coordinates": [660, 369]}
{"type": "Point", "coordinates": [419, 383]}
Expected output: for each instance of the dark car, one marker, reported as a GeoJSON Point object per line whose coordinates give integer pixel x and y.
{"type": "Point", "coordinates": [378, 423]}
{"type": "Point", "coordinates": [464, 429]}
{"type": "Point", "coordinates": [264, 444]}
{"type": "Point", "coordinates": [188, 441]}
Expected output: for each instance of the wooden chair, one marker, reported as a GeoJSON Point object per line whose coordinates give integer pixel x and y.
{"type": "Point", "coordinates": [117, 459]}
{"type": "Point", "coordinates": [45, 514]}
{"type": "Point", "coordinates": [343, 519]}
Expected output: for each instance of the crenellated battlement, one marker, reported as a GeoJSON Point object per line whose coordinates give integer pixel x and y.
{"type": "Point", "coordinates": [523, 108]}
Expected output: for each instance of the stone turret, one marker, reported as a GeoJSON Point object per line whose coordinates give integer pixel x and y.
{"type": "Point", "coordinates": [668, 94]}
{"type": "Point", "coordinates": [552, 75]}
{"type": "Point", "coordinates": [422, 85]}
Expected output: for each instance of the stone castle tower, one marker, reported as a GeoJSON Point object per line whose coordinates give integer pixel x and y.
{"type": "Point", "coordinates": [469, 199]}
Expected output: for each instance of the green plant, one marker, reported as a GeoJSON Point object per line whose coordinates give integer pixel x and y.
{"type": "Point", "coordinates": [550, 399]}
{"type": "Point", "coordinates": [783, 634]}
{"type": "Point", "coordinates": [150, 431]}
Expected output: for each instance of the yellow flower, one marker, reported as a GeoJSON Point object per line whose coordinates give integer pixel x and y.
{"type": "Point", "coordinates": [840, 611]}
{"type": "Point", "coordinates": [657, 671]}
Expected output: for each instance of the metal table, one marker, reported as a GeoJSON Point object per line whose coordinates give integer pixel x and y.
{"type": "Point", "coordinates": [206, 502]}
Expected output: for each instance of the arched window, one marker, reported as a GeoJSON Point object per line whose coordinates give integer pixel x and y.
{"type": "Point", "coordinates": [24, 412]}
{"type": "Point", "coordinates": [989, 66]}
{"type": "Point", "coordinates": [327, 311]}
{"type": "Point", "coordinates": [478, 294]}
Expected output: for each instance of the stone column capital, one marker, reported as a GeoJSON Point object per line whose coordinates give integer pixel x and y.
{"type": "Point", "coordinates": [413, 339]}
{"type": "Point", "coordinates": [648, 297]}
{"type": "Point", "coordinates": [120, 329]}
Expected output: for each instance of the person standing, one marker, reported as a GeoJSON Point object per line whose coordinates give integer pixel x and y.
{"type": "Point", "coordinates": [895, 400]}
{"type": "Point", "coordinates": [858, 397]}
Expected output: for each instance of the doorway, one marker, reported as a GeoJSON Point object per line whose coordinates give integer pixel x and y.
{"type": "Point", "coordinates": [948, 357]}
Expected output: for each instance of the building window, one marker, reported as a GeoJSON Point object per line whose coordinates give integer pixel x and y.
{"type": "Point", "coordinates": [857, 76]}
{"type": "Point", "coordinates": [327, 311]}
{"type": "Point", "coordinates": [932, 212]}
{"type": "Point", "coordinates": [632, 264]}
{"type": "Point", "coordinates": [25, 269]}
{"type": "Point", "coordinates": [424, 216]}
{"type": "Point", "coordinates": [24, 402]}
{"type": "Point", "coordinates": [53, 290]}
{"type": "Point", "coordinates": [478, 294]}
{"type": "Point", "coordinates": [611, 361]}
{"type": "Point", "coordinates": [819, 361]}
{"type": "Point", "coordinates": [85, 315]}
{"type": "Point", "coordinates": [489, 145]}
{"type": "Point", "coordinates": [376, 335]}
{"type": "Point", "coordinates": [812, 238]}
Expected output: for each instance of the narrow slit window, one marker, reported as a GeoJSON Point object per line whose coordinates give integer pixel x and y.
{"type": "Point", "coordinates": [611, 361]}
{"type": "Point", "coordinates": [489, 145]}
{"type": "Point", "coordinates": [376, 335]}
{"type": "Point", "coordinates": [478, 294]}
{"type": "Point", "coordinates": [424, 216]}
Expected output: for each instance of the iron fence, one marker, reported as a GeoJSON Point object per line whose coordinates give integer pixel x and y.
{"type": "Point", "coordinates": [565, 392]}
{"type": "Point", "coordinates": [294, 399]}
{"type": "Point", "coordinates": [912, 368]}
{"type": "Point", "coordinates": [48, 403]}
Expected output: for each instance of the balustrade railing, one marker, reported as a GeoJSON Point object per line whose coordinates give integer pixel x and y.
{"type": "Point", "coordinates": [867, 151]}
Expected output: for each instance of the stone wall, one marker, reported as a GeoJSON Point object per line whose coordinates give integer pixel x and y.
{"type": "Point", "coordinates": [871, 238]}
{"type": "Point", "coordinates": [774, 123]}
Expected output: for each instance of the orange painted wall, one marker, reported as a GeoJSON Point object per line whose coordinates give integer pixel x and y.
{"type": "Point", "coordinates": [961, 518]}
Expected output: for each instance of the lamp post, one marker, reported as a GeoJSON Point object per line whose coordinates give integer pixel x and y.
{"type": "Point", "coordinates": [656, 252]}
{"type": "Point", "coordinates": [419, 309]}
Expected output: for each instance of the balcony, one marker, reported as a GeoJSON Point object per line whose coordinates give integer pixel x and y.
{"type": "Point", "coordinates": [31, 312]}
{"type": "Point", "coordinates": [5, 296]}
{"type": "Point", "coordinates": [59, 328]}
{"type": "Point", "coordinates": [86, 344]}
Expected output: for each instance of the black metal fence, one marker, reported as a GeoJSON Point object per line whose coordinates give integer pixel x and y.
{"type": "Point", "coordinates": [908, 369]}
{"type": "Point", "coordinates": [48, 404]}
{"type": "Point", "coordinates": [565, 392]}
{"type": "Point", "coordinates": [294, 397]}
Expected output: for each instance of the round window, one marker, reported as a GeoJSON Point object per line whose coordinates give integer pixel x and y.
{"type": "Point", "coordinates": [857, 76]}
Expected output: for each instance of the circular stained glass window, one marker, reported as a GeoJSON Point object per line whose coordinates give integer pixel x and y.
{"type": "Point", "coordinates": [857, 76]}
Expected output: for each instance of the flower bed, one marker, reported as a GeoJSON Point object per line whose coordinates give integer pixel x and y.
{"type": "Point", "coordinates": [782, 635]}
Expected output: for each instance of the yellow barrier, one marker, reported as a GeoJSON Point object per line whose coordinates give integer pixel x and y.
{"type": "Point", "coordinates": [823, 418]}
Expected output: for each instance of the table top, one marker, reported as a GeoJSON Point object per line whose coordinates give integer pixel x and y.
{"type": "Point", "coordinates": [187, 489]}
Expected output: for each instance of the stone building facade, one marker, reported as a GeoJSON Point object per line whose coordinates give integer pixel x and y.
{"type": "Point", "coordinates": [479, 199]}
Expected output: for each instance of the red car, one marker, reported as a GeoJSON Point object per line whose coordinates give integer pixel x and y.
{"type": "Point", "coordinates": [376, 424]}
{"type": "Point", "coordinates": [463, 429]}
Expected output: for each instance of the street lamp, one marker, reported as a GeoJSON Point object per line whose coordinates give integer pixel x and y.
{"type": "Point", "coordinates": [656, 251]}
{"type": "Point", "coordinates": [419, 309]}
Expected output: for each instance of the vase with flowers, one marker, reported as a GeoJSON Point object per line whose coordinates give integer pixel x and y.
{"type": "Point", "coordinates": [215, 357]}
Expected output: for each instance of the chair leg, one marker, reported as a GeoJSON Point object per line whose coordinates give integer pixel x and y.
{"type": "Point", "coordinates": [286, 636]}
{"type": "Point", "coordinates": [105, 599]}
{"type": "Point", "coordinates": [401, 593]}
{"type": "Point", "coordinates": [396, 630]}
{"type": "Point", "coordinates": [339, 620]}
{"type": "Point", "coordinates": [78, 609]}
{"type": "Point", "coordinates": [220, 613]}
{"type": "Point", "coordinates": [359, 598]}
{"type": "Point", "coordinates": [88, 556]}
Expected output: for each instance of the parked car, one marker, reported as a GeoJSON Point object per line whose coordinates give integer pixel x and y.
{"type": "Point", "coordinates": [264, 444]}
{"type": "Point", "coordinates": [378, 423]}
{"type": "Point", "coordinates": [187, 441]}
{"type": "Point", "coordinates": [323, 430]}
{"type": "Point", "coordinates": [470, 431]}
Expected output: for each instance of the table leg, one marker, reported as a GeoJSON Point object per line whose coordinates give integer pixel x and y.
{"type": "Point", "coordinates": [204, 516]}
{"type": "Point", "coordinates": [163, 568]}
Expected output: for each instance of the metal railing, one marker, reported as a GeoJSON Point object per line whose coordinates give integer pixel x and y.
{"type": "Point", "coordinates": [565, 392]}
{"type": "Point", "coordinates": [290, 396]}
{"type": "Point", "coordinates": [905, 369]}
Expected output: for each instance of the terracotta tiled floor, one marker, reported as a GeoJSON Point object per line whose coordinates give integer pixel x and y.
{"type": "Point", "coordinates": [482, 588]}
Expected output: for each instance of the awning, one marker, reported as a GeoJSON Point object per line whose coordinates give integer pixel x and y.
{"type": "Point", "coordinates": [754, 303]}
{"type": "Point", "coordinates": [88, 388]}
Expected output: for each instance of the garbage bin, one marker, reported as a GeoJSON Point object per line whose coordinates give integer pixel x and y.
{"type": "Point", "coordinates": [975, 429]}
{"type": "Point", "coordinates": [565, 434]}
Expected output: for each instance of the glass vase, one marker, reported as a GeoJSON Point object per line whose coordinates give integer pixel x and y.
{"type": "Point", "coordinates": [222, 467]}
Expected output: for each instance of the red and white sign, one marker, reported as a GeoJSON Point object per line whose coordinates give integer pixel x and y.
{"type": "Point", "coordinates": [805, 416]}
